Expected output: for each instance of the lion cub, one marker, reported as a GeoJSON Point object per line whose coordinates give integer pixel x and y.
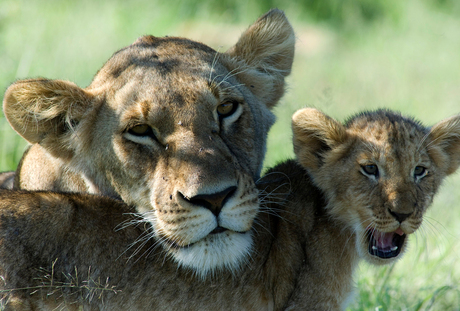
{"type": "Point", "coordinates": [359, 190]}
{"type": "Point", "coordinates": [378, 174]}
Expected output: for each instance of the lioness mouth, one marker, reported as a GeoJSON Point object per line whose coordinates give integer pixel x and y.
{"type": "Point", "coordinates": [218, 229]}
{"type": "Point", "coordinates": [174, 245]}
{"type": "Point", "coordinates": [385, 244]}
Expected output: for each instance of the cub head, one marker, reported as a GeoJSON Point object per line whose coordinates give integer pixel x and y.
{"type": "Point", "coordinates": [379, 172]}
{"type": "Point", "coordinates": [174, 128]}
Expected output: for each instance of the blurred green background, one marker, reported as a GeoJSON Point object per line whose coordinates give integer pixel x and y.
{"type": "Point", "coordinates": [350, 56]}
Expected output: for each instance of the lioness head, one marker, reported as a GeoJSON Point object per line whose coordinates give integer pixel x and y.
{"type": "Point", "coordinates": [379, 172]}
{"type": "Point", "coordinates": [174, 128]}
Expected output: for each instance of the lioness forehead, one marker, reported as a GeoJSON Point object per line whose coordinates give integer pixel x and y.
{"type": "Point", "coordinates": [167, 73]}
{"type": "Point", "coordinates": [156, 59]}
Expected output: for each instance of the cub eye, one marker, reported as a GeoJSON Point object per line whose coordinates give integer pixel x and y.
{"type": "Point", "coordinates": [419, 171]}
{"type": "Point", "coordinates": [371, 169]}
{"type": "Point", "coordinates": [226, 109]}
{"type": "Point", "coordinates": [142, 130]}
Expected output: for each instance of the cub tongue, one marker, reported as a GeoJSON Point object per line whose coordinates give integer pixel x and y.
{"type": "Point", "coordinates": [386, 244]}
{"type": "Point", "coordinates": [384, 239]}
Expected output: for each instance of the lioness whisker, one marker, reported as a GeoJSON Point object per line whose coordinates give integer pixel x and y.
{"type": "Point", "coordinates": [230, 74]}
{"type": "Point", "coordinates": [258, 223]}
{"type": "Point", "coordinates": [214, 62]}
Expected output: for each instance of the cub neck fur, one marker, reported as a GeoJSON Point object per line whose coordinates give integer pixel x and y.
{"type": "Point", "coordinates": [169, 126]}
{"type": "Point", "coordinates": [318, 219]}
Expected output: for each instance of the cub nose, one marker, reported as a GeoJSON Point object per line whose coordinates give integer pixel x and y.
{"type": "Point", "coordinates": [215, 201]}
{"type": "Point", "coordinates": [399, 216]}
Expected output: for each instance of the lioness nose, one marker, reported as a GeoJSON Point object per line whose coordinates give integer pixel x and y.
{"type": "Point", "coordinates": [399, 216]}
{"type": "Point", "coordinates": [215, 201]}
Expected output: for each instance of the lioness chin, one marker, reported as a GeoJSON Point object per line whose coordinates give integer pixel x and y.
{"type": "Point", "coordinates": [169, 126]}
{"type": "Point", "coordinates": [359, 190]}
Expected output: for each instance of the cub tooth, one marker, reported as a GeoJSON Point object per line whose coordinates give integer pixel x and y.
{"type": "Point", "coordinates": [394, 248]}
{"type": "Point", "coordinates": [374, 248]}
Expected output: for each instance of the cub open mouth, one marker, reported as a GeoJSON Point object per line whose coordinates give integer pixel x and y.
{"type": "Point", "coordinates": [385, 244]}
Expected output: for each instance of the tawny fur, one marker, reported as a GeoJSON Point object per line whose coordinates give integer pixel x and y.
{"type": "Point", "coordinates": [169, 126]}
{"type": "Point", "coordinates": [66, 250]}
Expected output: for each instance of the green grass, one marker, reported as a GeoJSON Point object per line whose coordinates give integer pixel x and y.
{"type": "Point", "coordinates": [412, 65]}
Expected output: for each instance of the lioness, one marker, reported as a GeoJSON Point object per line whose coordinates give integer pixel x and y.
{"type": "Point", "coordinates": [169, 126]}
{"type": "Point", "coordinates": [359, 190]}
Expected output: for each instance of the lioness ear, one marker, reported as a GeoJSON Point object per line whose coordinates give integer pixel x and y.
{"type": "Point", "coordinates": [443, 144]}
{"type": "Point", "coordinates": [266, 50]}
{"type": "Point", "coordinates": [43, 111]}
{"type": "Point", "coordinates": [314, 133]}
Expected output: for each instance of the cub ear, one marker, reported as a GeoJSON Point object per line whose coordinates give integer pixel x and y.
{"type": "Point", "coordinates": [45, 111]}
{"type": "Point", "coordinates": [443, 144]}
{"type": "Point", "coordinates": [267, 48]}
{"type": "Point", "coordinates": [314, 133]}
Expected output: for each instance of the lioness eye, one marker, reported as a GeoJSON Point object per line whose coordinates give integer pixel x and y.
{"type": "Point", "coordinates": [419, 171]}
{"type": "Point", "coordinates": [226, 109]}
{"type": "Point", "coordinates": [371, 169]}
{"type": "Point", "coordinates": [142, 130]}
